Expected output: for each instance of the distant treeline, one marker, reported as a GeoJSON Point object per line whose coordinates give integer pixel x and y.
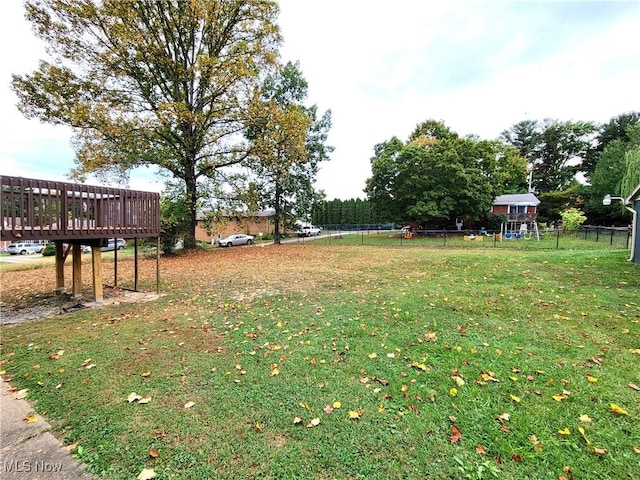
{"type": "Point", "coordinates": [344, 212]}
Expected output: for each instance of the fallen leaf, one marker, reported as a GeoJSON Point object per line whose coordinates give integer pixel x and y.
{"type": "Point", "coordinates": [581, 430]}
{"type": "Point", "coordinates": [20, 394]}
{"type": "Point", "coordinates": [313, 423]}
{"type": "Point", "coordinates": [133, 397]}
{"type": "Point", "coordinates": [459, 381]}
{"type": "Point", "coordinates": [585, 418]}
{"type": "Point", "coordinates": [634, 386]}
{"type": "Point", "coordinates": [355, 415]}
{"type": "Point", "coordinates": [420, 366]}
{"type": "Point", "coordinates": [189, 404]}
{"type": "Point", "coordinates": [381, 381]}
{"type": "Point", "coordinates": [297, 421]}
{"type": "Point", "coordinates": [145, 374]}
{"type": "Point", "coordinates": [618, 410]}
{"type": "Point", "coordinates": [453, 392]}
{"type": "Point", "coordinates": [336, 404]}
{"type": "Point", "coordinates": [537, 446]}
{"type": "Point", "coordinates": [154, 453]}
{"type": "Point", "coordinates": [274, 372]}
{"type": "Point", "coordinates": [636, 450]}
{"type": "Point", "coordinates": [455, 434]}
{"type": "Point", "coordinates": [514, 398]}
{"type": "Point", "coordinates": [144, 400]}
{"type": "Point", "coordinates": [591, 378]}
{"type": "Point", "coordinates": [564, 431]}
{"type": "Point", "coordinates": [147, 474]}
{"type": "Point", "coordinates": [504, 417]}
{"type": "Point", "coordinates": [258, 427]}
{"type": "Point", "coordinates": [328, 409]}
{"type": "Point", "coordinates": [599, 451]}
{"type": "Point", "coordinates": [30, 418]}
{"type": "Point", "coordinates": [480, 450]}
{"type": "Point", "coordinates": [373, 355]}
{"type": "Point", "coordinates": [516, 458]}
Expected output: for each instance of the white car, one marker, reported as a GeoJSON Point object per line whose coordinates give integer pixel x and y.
{"type": "Point", "coordinates": [111, 245]}
{"type": "Point", "coordinates": [308, 231]}
{"type": "Point", "coordinates": [24, 248]}
{"type": "Point", "coordinates": [239, 239]}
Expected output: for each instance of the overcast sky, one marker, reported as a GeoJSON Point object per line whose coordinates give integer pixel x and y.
{"type": "Point", "coordinates": [383, 67]}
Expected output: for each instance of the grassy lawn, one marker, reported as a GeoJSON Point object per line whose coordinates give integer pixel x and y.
{"type": "Point", "coordinates": [313, 361]}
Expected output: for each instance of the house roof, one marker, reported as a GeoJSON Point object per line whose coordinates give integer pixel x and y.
{"type": "Point", "coordinates": [517, 199]}
{"type": "Point", "coordinates": [634, 195]}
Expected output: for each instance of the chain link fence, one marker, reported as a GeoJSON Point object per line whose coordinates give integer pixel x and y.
{"type": "Point", "coordinates": [551, 238]}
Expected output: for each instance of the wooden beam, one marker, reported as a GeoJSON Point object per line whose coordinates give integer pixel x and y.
{"type": "Point", "coordinates": [77, 270]}
{"type": "Point", "coordinates": [60, 258]}
{"type": "Point", "coordinates": [96, 264]}
{"type": "Point", "coordinates": [135, 264]}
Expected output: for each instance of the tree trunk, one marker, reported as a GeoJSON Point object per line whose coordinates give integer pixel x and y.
{"type": "Point", "coordinates": [192, 205]}
{"type": "Point", "coordinates": [276, 222]}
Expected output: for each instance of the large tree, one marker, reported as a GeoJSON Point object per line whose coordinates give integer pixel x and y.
{"type": "Point", "coordinates": [555, 150]}
{"type": "Point", "coordinates": [288, 140]}
{"type": "Point", "coordinates": [435, 179]}
{"type": "Point", "coordinates": [151, 82]}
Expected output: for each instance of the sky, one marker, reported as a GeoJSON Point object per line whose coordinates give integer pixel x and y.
{"type": "Point", "coordinates": [384, 67]}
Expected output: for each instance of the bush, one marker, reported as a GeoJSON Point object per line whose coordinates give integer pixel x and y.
{"type": "Point", "coordinates": [49, 250]}
{"type": "Point", "coordinates": [572, 218]}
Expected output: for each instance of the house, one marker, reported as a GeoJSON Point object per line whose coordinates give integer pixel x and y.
{"type": "Point", "coordinates": [633, 202]}
{"type": "Point", "coordinates": [251, 223]}
{"type": "Point", "coordinates": [517, 207]}
{"type": "Point", "coordinates": [521, 210]}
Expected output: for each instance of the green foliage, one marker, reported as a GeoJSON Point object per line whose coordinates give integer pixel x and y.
{"type": "Point", "coordinates": [431, 179]}
{"type": "Point", "coordinates": [174, 225]}
{"type": "Point", "coordinates": [572, 218]}
{"type": "Point", "coordinates": [343, 212]}
{"type": "Point", "coordinates": [631, 177]}
{"type": "Point", "coordinates": [151, 83]}
{"type": "Point", "coordinates": [49, 250]}
{"type": "Point", "coordinates": [553, 203]}
{"type": "Point", "coordinates": [288, 140]}
{"type": "Point", "coordinates": [552, 147]}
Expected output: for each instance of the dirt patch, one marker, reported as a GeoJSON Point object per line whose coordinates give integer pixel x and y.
{"type": "Point", "coordinates": [55, 305]}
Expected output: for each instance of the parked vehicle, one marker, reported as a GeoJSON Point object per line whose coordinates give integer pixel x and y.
{"type": "Point", "coordinates": [308, 231]}
{"type": "Point", "coordinates": [111, 245]}
{"type": "Point", "coordinates": [239, 239]}
{"type": "Point", "coordinates": [24, 248]}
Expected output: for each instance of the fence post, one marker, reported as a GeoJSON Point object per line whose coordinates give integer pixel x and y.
{"type": "Point", "coordinates": [362, 236]}
{"type": "Point", "coordinates": [557, 239]}
{"type": "Point", "coordinates": [597, 234]}
{"type": "Point", "coordinates": [611, 240]}
{"type": "Point", "coordinates": [444, 231]}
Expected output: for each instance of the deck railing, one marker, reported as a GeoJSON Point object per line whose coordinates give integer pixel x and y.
{"type": "Point", "coordinates": [48, 210]}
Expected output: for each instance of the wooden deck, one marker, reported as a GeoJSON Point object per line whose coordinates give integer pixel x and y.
{"type": "Point", "coordinates": [47, 210]}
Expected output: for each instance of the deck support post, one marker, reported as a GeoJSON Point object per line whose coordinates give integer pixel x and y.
{"type": "Point", "coordinates": [60, 257]}
{"type": "Point", "coordinates": [96, 264]}
{"type": "Point", "coordinates": [77, 271]}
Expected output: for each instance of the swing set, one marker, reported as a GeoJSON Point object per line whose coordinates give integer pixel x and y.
{"type": "Point", "coordinates": [511, 231]}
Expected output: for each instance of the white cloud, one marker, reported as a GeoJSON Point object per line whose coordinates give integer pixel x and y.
{"type": "Point", "coordinates": [382, 68]}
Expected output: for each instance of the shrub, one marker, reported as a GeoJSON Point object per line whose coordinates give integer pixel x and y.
{"type": "Point", "coordinates": [572, 218]}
